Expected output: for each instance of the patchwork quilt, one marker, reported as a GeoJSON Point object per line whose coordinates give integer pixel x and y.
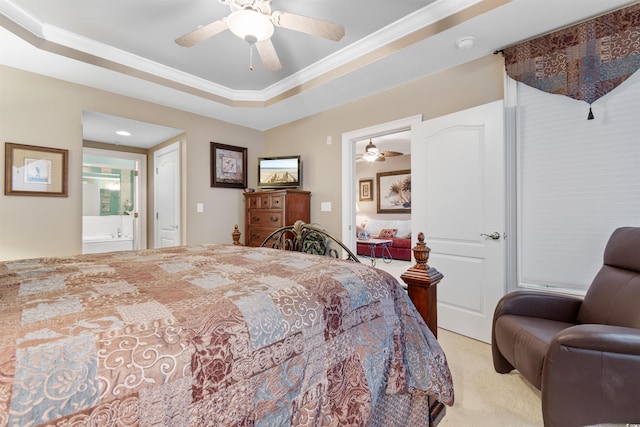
{"type": "Point", "coordinates": [212, 335]}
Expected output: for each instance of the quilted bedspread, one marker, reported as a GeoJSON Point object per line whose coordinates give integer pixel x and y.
{"type": "Point", "coordinates": [212, 335]}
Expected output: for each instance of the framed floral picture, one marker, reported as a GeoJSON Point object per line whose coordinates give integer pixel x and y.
{"type": "Point", "coordinates": [394, 191]}
{"type": "Point", "coordinates": [228, 166]}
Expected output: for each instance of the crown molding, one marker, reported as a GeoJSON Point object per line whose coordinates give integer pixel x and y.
{"type": "Point", "coordinates": [409, 24]}
{"type": "Point", "coordinates": [64, 42]}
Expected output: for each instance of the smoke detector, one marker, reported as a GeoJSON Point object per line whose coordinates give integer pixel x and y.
{"type": "Point", "coordinates": [465, 43]}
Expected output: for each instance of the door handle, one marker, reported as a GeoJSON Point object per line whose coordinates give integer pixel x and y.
{"type": "Point", "coordinates": [495, 235]}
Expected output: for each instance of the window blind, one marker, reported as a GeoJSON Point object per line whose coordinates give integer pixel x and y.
{"type": "Point", "coordinates": [577, 180]}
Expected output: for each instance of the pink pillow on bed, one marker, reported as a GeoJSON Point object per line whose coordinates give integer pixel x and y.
{"type": "Point", "coordinates": [388, 233]}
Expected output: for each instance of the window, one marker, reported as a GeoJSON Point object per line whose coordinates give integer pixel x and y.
{"type": "Point", "coordinates": [577, 180]}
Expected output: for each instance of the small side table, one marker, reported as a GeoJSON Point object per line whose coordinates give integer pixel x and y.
{"type": "Point", "coordinates": [384, 244]}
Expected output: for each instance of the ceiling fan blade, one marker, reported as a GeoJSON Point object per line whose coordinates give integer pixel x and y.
{"type": "Point", "coordinates": [202, 33]}
{"type": "Point", "coordinates": [391, 153]}
{"type": "Point", "coordinates": [268, 55]}
{"type": "Point", "coordinates": [304, 24]}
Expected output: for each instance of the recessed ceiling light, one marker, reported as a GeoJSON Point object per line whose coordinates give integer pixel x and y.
{"type": "Point", "coordinates": [123, 133]}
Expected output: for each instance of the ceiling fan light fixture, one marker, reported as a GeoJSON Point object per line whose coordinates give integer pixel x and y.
{"type": "Point", "coordinates": [370, 156]}
{"type": "Point", "coordinates": [371, 148]}
{"type": "Point", "coordinates": [250, 25]}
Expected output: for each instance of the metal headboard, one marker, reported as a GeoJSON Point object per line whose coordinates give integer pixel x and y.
{"type": "Point", "coordinates": [302, 237]}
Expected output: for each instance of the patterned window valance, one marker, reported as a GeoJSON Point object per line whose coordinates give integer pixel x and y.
{"type": "Point", "coordinates": [585, 61]}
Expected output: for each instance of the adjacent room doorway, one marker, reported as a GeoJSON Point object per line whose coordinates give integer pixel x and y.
{"type": "Point", "coordinates": [349, 179]}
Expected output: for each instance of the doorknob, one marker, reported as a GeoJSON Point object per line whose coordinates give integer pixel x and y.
{"type": "Point", "coordinates": [495, 235]}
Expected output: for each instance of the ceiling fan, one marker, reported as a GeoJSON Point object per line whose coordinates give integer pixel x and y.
{"type": "Point", "coordinates": [373, 153]}
{"type": "Point", "coordinates": [253, 21]}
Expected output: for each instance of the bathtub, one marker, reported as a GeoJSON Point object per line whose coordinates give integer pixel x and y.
{"type": "Point", "coordinates": [99, 244]}
{"type": "Point", "coordinates": [107, 234]}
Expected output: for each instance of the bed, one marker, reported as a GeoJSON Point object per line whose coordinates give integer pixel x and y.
{"type": "Point", "coordinates": [212, 335]}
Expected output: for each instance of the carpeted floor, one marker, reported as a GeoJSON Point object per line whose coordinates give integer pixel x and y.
{"type": "Point", "coordinates": [484, 397]}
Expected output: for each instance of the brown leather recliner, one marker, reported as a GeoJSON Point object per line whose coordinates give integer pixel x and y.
{"type": "Point", "coordinates": [582, 354]}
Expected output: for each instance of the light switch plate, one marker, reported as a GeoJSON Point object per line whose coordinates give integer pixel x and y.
{"type": "Point", "coordinates": [325, 206]}
{"type": "Point", "coordinates": [200, 207]}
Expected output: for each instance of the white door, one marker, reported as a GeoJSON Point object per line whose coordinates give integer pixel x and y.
{"type": "Point", "coordinates": [458, 177]}
{"type": "Point", "coordinates": [167, 196]}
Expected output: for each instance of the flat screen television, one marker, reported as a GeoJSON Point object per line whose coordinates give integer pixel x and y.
{"type": "Point", "coordinates": [280, 172]}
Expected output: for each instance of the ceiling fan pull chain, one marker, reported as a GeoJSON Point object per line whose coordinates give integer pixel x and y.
{"type": "Point", "coordinates": [251, 56]}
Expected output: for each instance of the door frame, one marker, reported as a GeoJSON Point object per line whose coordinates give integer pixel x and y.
{"type": "Point", "coordinates": [140, 226]}
{"type": "Point", "coordinates": [349, 181]}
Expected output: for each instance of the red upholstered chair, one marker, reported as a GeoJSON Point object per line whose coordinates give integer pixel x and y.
{"type": "Point", "coordinates": [582, 354]}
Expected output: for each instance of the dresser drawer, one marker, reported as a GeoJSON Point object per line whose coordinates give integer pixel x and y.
{"type": "Point", "coordinates": [266, 201]}
{"type": "Point", "coordinates": [276, 201]}
{"type": "Point", "coordinates": [264, 218]}
{"type": "Point", "coordinates": [257, 201]}
{"type": "Point", "coordinates": [258, 234]}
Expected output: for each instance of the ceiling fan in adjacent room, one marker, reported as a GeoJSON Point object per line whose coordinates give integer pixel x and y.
{"type": "Point", "coordinates": [253, 21]}
{"type": "Point", "coordinates": [373, 153]}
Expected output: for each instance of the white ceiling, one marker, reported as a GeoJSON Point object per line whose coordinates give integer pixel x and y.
{"type": "Point", "coordinates": [128, 47]}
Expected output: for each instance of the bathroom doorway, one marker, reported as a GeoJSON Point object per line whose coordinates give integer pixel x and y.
{"type": "Point", "coordinates": [117, 148]}
{"type": "Point", "coordinates": [113, 200]}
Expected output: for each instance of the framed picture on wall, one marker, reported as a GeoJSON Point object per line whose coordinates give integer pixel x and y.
{"type": "Point", "coordinates": [35, 171]}
{"type": "Point", "coordinates": [228, 166]}
{"type": "Point", "coordinates": [394, 191]}
{"type": "Point", "coordinates": [366, 190]}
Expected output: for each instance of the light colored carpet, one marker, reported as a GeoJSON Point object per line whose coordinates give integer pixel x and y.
{"type": "Point", "coordinates": [396, 267]}
{"type": "Point", "coordinates": [484, 397]}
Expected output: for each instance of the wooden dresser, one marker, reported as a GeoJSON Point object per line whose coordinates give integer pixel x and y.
{"type": "Point", "coordinates": [268, 210]}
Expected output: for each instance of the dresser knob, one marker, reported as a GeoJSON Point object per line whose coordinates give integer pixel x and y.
{"type": "Point", "coordinates": [274, 219]}
{"type": "Point", "coordinates": [255, 219]}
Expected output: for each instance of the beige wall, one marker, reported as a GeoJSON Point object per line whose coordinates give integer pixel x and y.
{"type": "Point", "coordinates": [468, 85]}
{"type": "Point", "coordinates": [37, 110]}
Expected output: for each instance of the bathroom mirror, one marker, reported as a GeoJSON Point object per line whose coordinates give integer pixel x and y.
{"type": "Point", "coordinates": [107, 186]}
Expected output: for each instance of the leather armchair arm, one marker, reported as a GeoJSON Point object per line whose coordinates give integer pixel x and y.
{"type": "Point", "coordinates": [590, 376]}
{"type": "Point", "coordinates": [605, 338]}
{"type": "Point", "coordinates": [545, 305]}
